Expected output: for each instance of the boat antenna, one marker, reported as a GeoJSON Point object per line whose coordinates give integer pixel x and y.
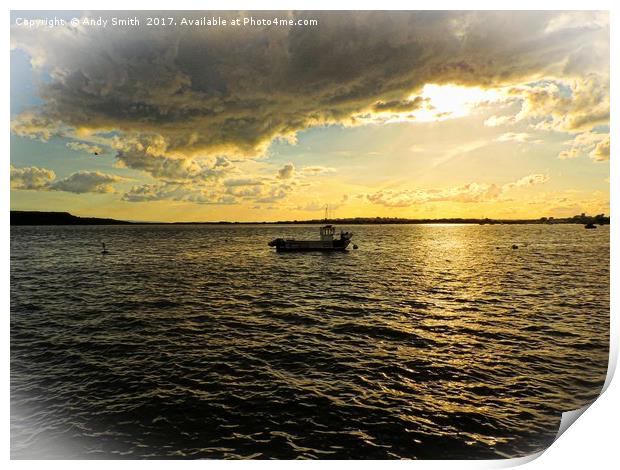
{"type": "Point", "coordinates": [326, 209]}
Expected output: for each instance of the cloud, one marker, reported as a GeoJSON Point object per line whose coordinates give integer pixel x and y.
{"type": "Point", "coordinates": [399, 106]}
{"type": "Point", "coordinates": [526, 181]}
{"type": "Point", "coordinates": [472, 192]}
{"type": "Point", "coordinates": [234, 182]}
{"type": "Point", "coordinates": [317, 170]}
{"type": "Point", "coordinates": [495, 121]}
{"type": "Point", "coordinates": [264, 191]}
{"type": "Point", "coordinates": [287, 171]}
{"type": "Point", "coordinates": [148, 157]}
{"type": "Point", "coordinates": [249, 190]}
{"type": "Point", "coordinates": [274, 194]}
{"type": "Point", "coordinates": [258, 190]}
{"type": "Point", "coordinates": [41, 179]}
{"type": "Point", "coordinates": [572, 152]}
{"type": "Point", "coordinates": [601, 150]}
{"type": "Point", "coordinates": [594, 144]}
{"type": "Point", "coordinates": [574, 106]}
{"type": "Point", "coordinates": [31, 177]}
{"type": "Point", "coordinates": [176, 192]}
{"type": "Point", "coordinates": [467, 193]}
{"type": "Point", "coordinates": [577, 106]}
{"type": "Point", "coordinates": [170, 107]}
{"type": "Point", "coordinates": [86, 182]}
{"type": "Point", "coordinates": [316, 206]}
{"type": "Point", "coordinates": [563, 203]}
{"type": "Point", "coordinates": [37, 125]}
{"type": "Point", "coordinates": [519, 137]}
{"type": "Point", "coordinates": [83, 147]}
{"type": "Point", "coordinates": [149, 153]}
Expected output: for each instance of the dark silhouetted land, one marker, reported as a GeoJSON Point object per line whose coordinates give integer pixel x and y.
{"type": "Point", "coordinates": [65, 218]}
{"type": "Point", "coordinates": [58, 218]}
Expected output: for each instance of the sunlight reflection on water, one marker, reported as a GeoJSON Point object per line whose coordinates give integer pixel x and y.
{"type": "Point", "coordinates": [200, 341]}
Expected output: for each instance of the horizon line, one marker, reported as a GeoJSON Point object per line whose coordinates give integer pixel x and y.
{"type": "Point", "coordinates": [358, 220]}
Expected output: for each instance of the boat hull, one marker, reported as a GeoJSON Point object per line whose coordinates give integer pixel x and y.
{"type": "Point", "coordinates": [309, 245]}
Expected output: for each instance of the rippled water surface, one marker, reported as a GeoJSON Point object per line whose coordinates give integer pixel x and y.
{"type": "Point", "coordinates": [202, 342]}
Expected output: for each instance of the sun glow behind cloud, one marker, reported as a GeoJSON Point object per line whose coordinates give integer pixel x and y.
{"type": "Point", "coordinates": [436, 103]}
{"type": "Point", "coordinates": [452, 101]}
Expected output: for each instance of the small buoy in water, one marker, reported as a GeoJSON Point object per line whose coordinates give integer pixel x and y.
{"type": "Point", "coordinates": [355, 247]}
{"type": "Point", "coordinates": [104, 251]}
{"type": "Point", "coordinates": [514, 247]}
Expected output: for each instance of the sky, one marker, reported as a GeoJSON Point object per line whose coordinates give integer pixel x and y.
{"type": "Point", "coordinates": [416, 114]}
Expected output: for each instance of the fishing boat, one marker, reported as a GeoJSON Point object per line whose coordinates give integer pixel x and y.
{"type": "Point", "coordinates": [327, 242]}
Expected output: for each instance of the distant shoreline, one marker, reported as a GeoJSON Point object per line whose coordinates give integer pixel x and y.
{"type": "Point", "coordinates": [65, 218]}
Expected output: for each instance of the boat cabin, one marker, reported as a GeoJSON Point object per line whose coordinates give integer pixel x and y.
{"type": "Point", "coordinates": [327, 233]}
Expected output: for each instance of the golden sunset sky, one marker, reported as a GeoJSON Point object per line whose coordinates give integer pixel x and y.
{"type": "Point", "coordinates": [400, 114]}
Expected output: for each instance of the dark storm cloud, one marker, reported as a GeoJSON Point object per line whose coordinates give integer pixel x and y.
{"type": "Point", "coordinates": [173, 94]}
{"type": "Point", "coordinates": [399, 106]}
